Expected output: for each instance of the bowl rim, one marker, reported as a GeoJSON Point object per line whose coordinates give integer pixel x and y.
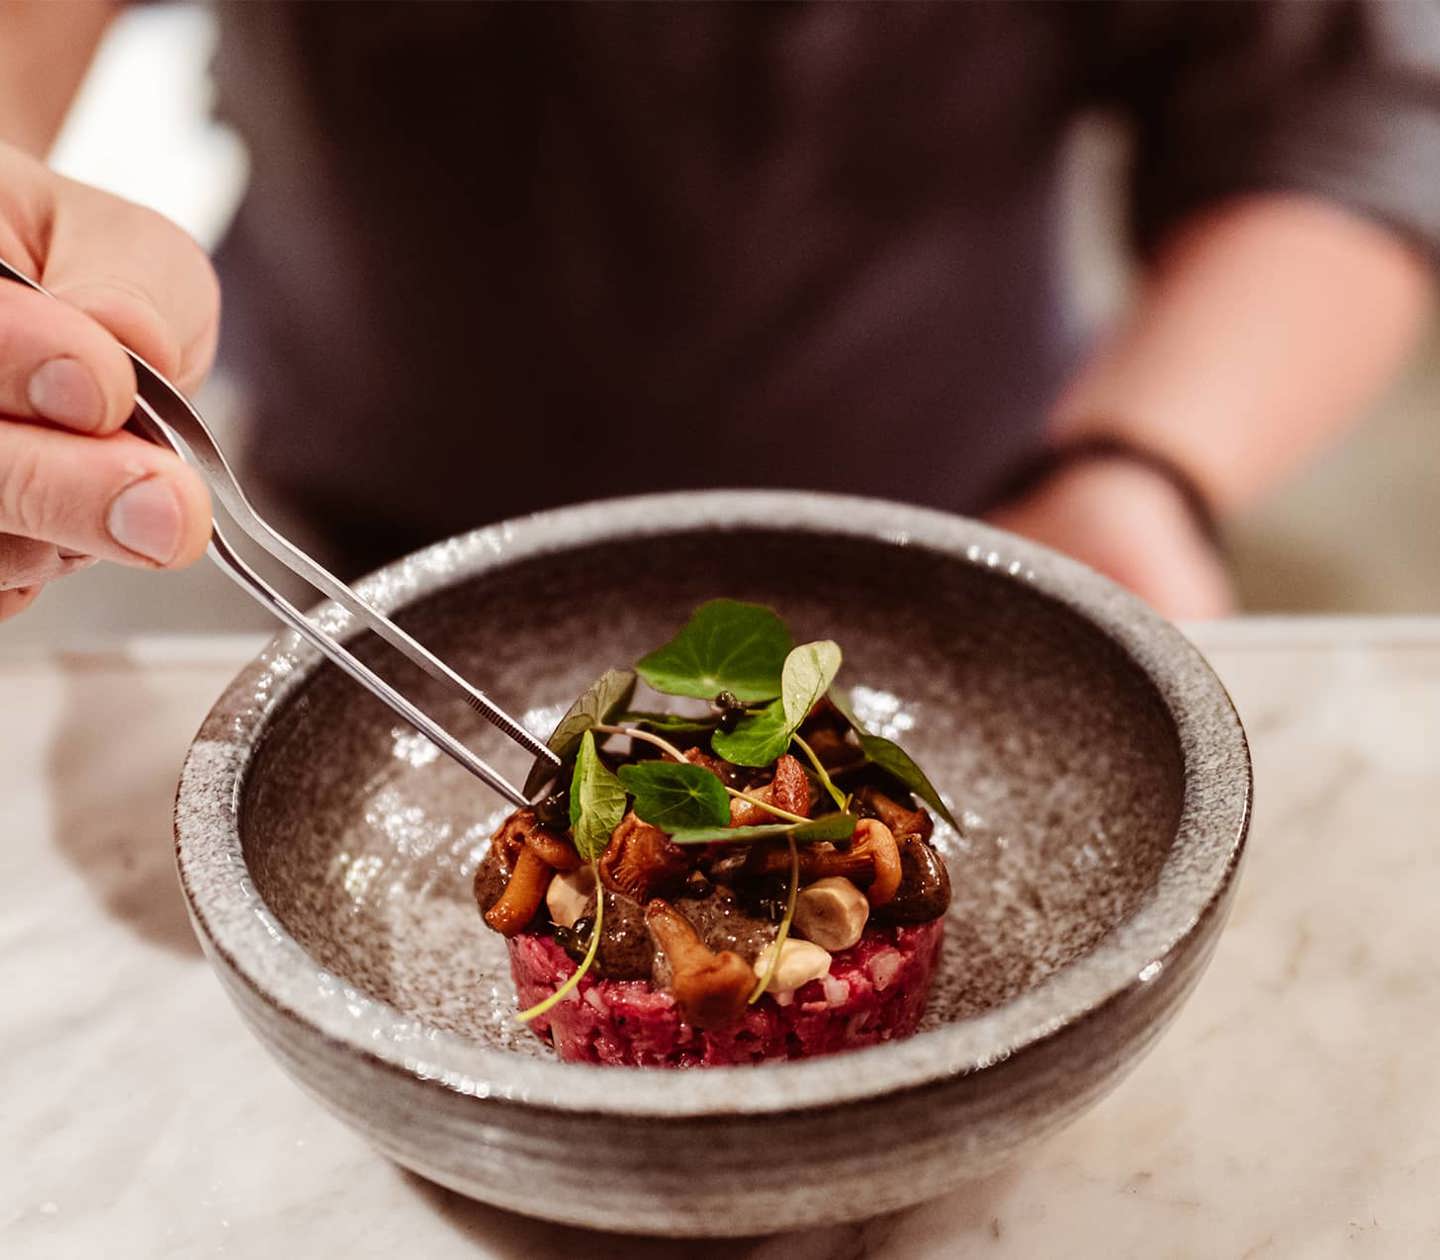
{"type": "Point", "coordinates": [247, 940]}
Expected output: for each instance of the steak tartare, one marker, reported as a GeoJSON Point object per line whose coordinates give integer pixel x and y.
{"type": "Point", "coordinates": [746, 881]}
{"type": "Point", "coordinates": [874, 992]}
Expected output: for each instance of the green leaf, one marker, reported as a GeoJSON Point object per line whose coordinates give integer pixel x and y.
{"type": "Point", "coordinates": [725, 646]}
{"type": "Point", "coordinates": [597, 800]}
{"type": "Point", "coordinates": [667, 723]}
{"type": "Point", "coordinates": [730, 835]}
{"type": "Point", "coordinates": [807, 674]}
{"type": "Point", "coordinates": [828, 827]}
{"type": "Point", "coordinates": [757, 739]}
{"type": "Point", "coordinates": [670, 796]}
{"type": "Point", "coordinates": [889, 756]}
{"type": "Point", "coordinates": [611, 691]}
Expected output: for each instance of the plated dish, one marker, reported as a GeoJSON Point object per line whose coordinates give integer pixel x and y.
{"type": "Point", "coordinates": [746, 879]}
{"type": "Point", "coordinates": [1097, 768]}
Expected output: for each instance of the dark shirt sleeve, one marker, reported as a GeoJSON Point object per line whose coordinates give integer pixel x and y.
{"type": "Point", "coordinates": [1338, 99]}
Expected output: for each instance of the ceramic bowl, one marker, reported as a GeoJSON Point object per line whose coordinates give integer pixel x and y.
{"type": "Point", "coordinates": [1094, 761]}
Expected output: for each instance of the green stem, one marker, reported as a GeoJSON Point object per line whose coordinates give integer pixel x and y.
{"type": "Point", "coordinates": [664, 745]}
{"type": "Point", "coordinates": [784, 931]}
{"type": "Point", "coordinates": [841, 800]}
{"type": "Point", "coordinates": [565, 989]}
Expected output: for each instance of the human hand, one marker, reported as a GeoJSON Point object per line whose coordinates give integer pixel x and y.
{"type": "Point", "coordinates": [73, 487]}
{"type": "Point", "coordinates": [1131, 524]}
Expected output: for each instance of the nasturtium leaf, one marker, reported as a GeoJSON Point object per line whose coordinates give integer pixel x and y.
{"type": "Point", "coordinates": [757, 740]}
{"type": "Point", "coordinates": [807, 674]}
{"type": "Point", "coordinates": [594, 707]}
{"type": "Point", "coordinates": [730, 835]}
{"type": "Point", "coordinates": [667, 723]}
{"type": "Point", "coordinates": [597, 800]}
{"type": "Point", "coordinates": [828, 827]}
{"type": "Point", "coordinates": [670, 795]}
{"type": "Point", "coordinates": [890, 757]}
{"type": "Point", "coordinates": [725, 646]}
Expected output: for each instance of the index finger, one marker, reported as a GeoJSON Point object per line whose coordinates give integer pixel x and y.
{"type": "Point", "coordinates": [139, 276]}
{"type": "Point", "coordinates": [59, 365]}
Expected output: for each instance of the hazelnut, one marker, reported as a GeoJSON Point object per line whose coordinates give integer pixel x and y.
{"type": "Point", "coordinates": [832, 913]}
{"type": "Point", "coordinates": [800, 962]}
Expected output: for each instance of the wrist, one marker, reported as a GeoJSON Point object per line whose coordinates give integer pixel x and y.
{"type": "Point", "coordinates": [1062, 458]}
{"type": "Point", "coordinates": [1129, 522]}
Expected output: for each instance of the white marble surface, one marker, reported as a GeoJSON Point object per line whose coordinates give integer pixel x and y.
{"type": "Point", "coordinates": [1293, 1109]}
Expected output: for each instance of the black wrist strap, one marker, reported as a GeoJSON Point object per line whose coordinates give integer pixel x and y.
{"type": "Point", "coordinates": [1055, 459]}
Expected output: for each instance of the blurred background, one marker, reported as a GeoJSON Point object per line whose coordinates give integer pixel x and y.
{"type": "Point", "coordinates": [1357, 531]}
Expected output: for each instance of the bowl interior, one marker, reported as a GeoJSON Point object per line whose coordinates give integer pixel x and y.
{"type": "Point", "coordinates": [1054, 748]}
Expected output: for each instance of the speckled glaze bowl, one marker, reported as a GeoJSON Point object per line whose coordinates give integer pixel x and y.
{"type": "Point", "coordinates": [1096, 764]}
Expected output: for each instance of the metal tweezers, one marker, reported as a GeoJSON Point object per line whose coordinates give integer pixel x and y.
{"type": "Point", "coordinates": [166, 417]}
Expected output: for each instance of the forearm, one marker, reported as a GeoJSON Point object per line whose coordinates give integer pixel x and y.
{"type": "Point", "coordinates": [1263, 329]}
{"type": "Point", "coordinates": [45, 49]}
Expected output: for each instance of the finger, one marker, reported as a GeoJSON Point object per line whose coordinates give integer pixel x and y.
{"type": "Point", "coordinates": [29, 562]}
{"type": "Point", "coordinates": [139, 276]}
{"type": "Point", "coordinates": [1190, 583]}
{"type": "Point", "coordinates": [117, 497]}
{"type": "Point", "coordinates": [58, 364]}
{"type": "Point", "coordinates": [12, 603]}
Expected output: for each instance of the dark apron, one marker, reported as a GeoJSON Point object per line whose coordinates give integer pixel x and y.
{"type": "Point", "coordinates": [497, 259]}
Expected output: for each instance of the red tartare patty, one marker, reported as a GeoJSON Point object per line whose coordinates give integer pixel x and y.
{"type": "Point", "coordinates": [876, 991]}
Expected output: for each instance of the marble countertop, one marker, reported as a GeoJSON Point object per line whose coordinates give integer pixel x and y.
{"type": "Point", "coordinates": [1292, 1110]}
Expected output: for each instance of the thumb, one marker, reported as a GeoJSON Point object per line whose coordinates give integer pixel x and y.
{"type": "Point", "coordinates": [116, 497]}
